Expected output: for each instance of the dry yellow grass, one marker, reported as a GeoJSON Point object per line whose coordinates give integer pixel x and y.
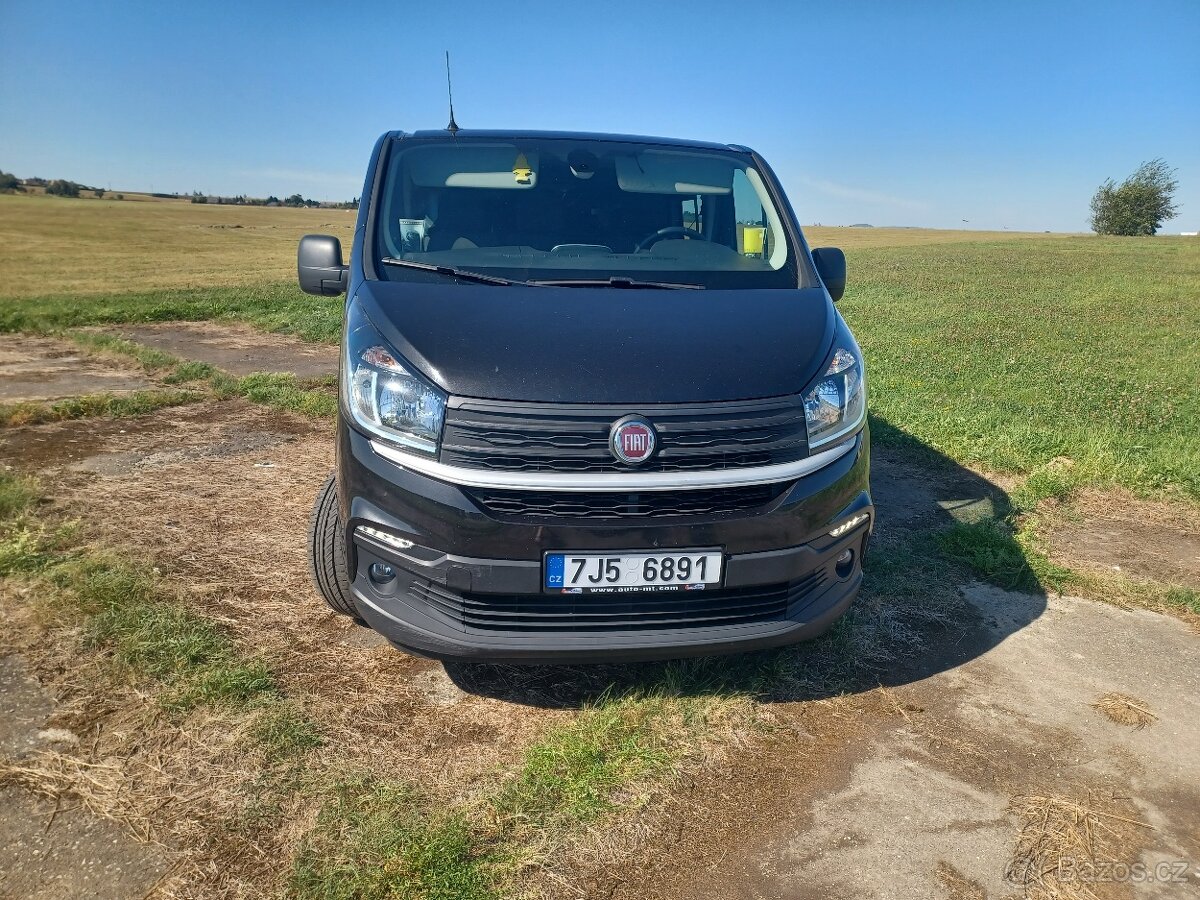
{"type": "Point", "coordinates": [1068, 844]}
{"type": "Point", "coordinates": [1125, 710]}
{"type": "Point", "coordinates": [958, 886]}
{"type": "Point", "coordinates": [56, 245]}
{"type": "Point", "coordinates": [858, 238]}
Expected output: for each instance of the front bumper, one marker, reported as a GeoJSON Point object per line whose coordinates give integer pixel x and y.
{"type": "Point", "coordinates": [468, 583]}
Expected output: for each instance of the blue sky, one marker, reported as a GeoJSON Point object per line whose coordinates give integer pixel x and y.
{"type": "Point", "coordinates": [1005, 114]}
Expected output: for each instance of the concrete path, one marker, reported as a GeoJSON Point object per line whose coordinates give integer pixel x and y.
{"type": "Point", "coordinates": [933, 795]}
{"type": "Point", "coordinates": [235, 348]}
{"type": "Point", "coordinates": [36, 369]}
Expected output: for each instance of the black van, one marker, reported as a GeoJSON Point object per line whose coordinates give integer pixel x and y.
{"type": "Point", "coordinates": [596, 403]}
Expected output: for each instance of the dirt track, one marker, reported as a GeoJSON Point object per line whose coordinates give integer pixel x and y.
{"type": "Point", "coordinates": [900, 787]}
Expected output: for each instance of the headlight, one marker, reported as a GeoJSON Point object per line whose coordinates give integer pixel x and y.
{"type": "Point", "coordinates": [383, 394]}
{"type": "Point", "coordinates": [837, 404]}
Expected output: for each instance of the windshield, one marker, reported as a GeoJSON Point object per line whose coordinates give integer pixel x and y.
{"type": "Point", "coordinates": [579, 212]}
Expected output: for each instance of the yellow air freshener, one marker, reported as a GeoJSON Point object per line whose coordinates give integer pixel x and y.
{"type": "Point", "coordinates": [522, 170]}
{"type": "Point", "coordinates": [753, 241]}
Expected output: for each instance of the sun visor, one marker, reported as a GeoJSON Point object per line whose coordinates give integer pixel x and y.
{"type": "Point", "coordinates": [673, 172]}
{"type": "Point", "coordinates": [495, 166]}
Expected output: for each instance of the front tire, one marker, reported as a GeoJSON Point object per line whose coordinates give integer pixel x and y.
{"type": "Point", "coordinates": [327, 552]}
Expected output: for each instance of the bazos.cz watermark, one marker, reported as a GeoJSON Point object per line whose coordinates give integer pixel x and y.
{"type": "Point", "coordinates": [1089, 871]}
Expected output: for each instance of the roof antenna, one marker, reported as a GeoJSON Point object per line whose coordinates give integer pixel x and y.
{"type": "Point", "coordinates": [453, 126]}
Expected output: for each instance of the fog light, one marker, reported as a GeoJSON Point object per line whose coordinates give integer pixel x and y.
{"type": "Point", "coordinates": [848, 525]}
{"type": "Point", "coordinates": [381, 573]}
{"type": "Point", "coordinates": [844, 564]}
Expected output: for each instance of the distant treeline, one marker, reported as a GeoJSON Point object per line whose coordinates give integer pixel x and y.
{"type": "Point", "coordinates": [11, 184]}
{"type": "Point", "coordinates": [293, 200]}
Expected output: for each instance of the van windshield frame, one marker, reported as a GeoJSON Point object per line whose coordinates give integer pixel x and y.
{"type": "Point", "coordinates": [581, 209]}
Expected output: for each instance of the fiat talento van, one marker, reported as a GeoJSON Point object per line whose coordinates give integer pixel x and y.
{"type": "Point", "coordinates": [596, 403]}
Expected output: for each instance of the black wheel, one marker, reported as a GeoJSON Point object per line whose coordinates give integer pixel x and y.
{"type": "Point", "coordinates": [327, 552]}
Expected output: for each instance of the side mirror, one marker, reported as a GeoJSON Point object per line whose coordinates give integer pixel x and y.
{"type": "Point", "coordinates": [319, 265]}
{"type": "Point", "coordinates": [831, 266]}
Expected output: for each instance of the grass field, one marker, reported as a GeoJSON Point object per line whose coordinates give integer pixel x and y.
{"type": "Point", "coordinates": [1066, 366]}
{"type": "Point", "coordinates": [55, 245]}
{"type": "Point", "coordinates": [1007, 353]}
{"type": "Point", "coordinates": [1000, 350]}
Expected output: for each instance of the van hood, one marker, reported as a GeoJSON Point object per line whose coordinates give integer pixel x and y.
{"type": "Point", "coordinates": [604, 345]}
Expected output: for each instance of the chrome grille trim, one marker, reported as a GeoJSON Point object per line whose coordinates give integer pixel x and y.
{"type": "Point", "coordinates": [612, 481]}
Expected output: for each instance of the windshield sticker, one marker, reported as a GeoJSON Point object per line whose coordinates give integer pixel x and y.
{"type": "Point", "coordinates": [522, 171]}
{"type": "Point", "coordinates": [412, 235]}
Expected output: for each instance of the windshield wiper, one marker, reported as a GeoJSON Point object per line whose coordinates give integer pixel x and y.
{"type": "Point", "coordinates": [614, 282]}
{"type": "Point", "coordinates": [619, 282]}
{"type": "Point", "coordinates": [449, 271]}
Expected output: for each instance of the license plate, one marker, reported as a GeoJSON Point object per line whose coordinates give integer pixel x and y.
{"type": "Point", "coordinates": [591, 573]}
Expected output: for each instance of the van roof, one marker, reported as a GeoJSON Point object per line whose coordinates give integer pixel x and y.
{"type": "Point", "coordinates": [499, 134]}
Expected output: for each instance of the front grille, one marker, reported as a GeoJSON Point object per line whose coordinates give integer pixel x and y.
{"type": "Point", "coordinates": [617, 612]}
{"type": "Point", "coordinates": [708, 502]}
{"type": "Point", "coordinates": [539, 437]}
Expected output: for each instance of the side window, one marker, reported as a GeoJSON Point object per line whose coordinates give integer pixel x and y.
{"type": "Point", "coordinates": [755, 236]}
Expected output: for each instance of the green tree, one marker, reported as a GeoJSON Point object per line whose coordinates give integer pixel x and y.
{"type": "Point", "coordinates": [294, 200]}
{"type": "Point", "coordinates": [8, 183]}
{"type": "Point", "coordinates": [61, 188]}
{"type": "Point", "coordinates": [1139, 204]}
{"type": "Point", "coordinates": [98, 193]}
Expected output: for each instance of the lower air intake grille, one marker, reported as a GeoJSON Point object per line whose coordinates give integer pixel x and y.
{"type": "Point", "coordinates": [625, 505]}
{"type": "Point", "coordinates": [617, 612]}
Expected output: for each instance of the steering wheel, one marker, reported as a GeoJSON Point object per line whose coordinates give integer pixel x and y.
{"type": "Point", "coordinates": [656, 236]}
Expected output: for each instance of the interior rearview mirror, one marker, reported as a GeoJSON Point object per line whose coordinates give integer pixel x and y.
{"type": "Point", "coordinates": [831, 266]}
{"type": "Point", "coordinates": [319, 265]}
